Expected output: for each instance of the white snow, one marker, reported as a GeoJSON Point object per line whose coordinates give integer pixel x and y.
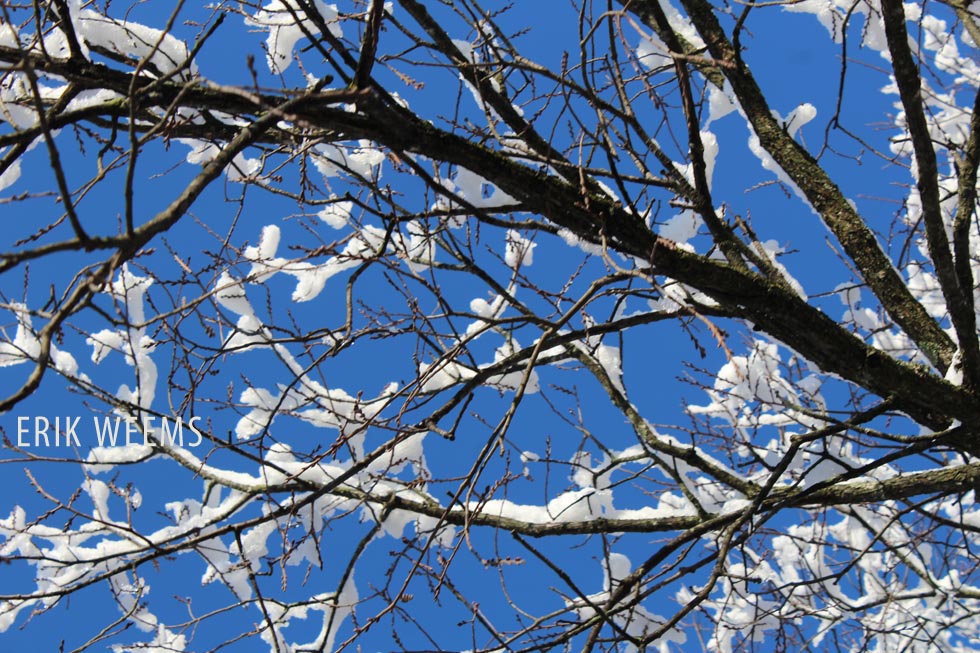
{"type": "Point", "coordinates": [286, 23]}
{"type": "Point", "coordinates": [520, 250]}
{"type": "Point", "coordinates": [336, 214]}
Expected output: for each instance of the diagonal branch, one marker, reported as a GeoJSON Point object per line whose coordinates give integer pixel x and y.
{"type": "Point", "coordinates": [771, 308]}
{"type": "Point", "coordinates": [820, 191]}
{"type": "Point", "coordinates": [64, 21]}
{"type": "Point", "coordinates": [369, 44]}
{"type": "Point", "coordinates": [959, 298]}
{"type": "Point", "coordinates": [967, 165]}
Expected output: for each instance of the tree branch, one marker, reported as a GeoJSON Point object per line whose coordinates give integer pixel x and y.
{"type": "Point", "coordinates": [826, 198]}
{"type": "Point", "coordinates": [959, 299]}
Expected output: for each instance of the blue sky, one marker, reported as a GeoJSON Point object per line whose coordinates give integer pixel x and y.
{"type": "Point", "coordinates": [794, 63]}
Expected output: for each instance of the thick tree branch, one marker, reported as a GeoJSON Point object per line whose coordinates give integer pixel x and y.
{"type": "Point", "coordinates": [773, 309]}
{"type": "Point", "coordinates": [787, 501]}
{"type": "Point", "coordinates": [966, 208]}
{"type": "Point", "coordinates": [959, 299]}
{"type": "Point", "coordinates": [826, 198]}
{"type": "Point", "coordinates": [369, 44]}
